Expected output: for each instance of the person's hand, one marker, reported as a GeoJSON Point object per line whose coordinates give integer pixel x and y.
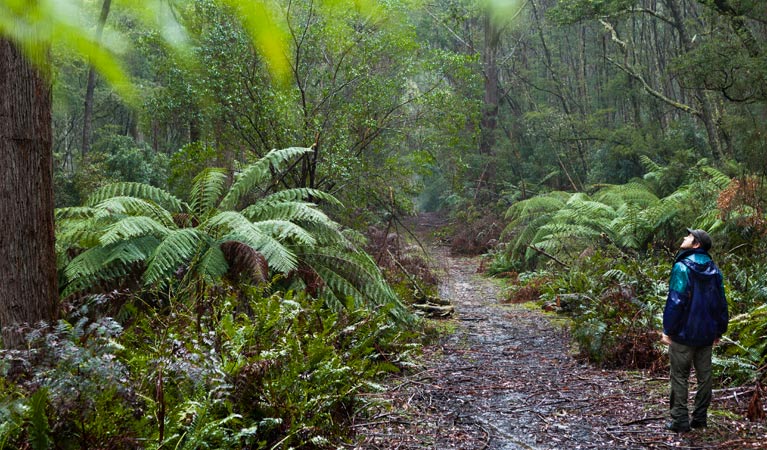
{"type": "Point", "coordinates": [665, 339]}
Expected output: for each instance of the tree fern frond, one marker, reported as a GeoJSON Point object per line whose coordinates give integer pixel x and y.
{"type": "Point", "coordinates": [132, 206]}
{"type": "Point", "coordinates": [355, 275]}
{"type": "Point", "coordinates": [553, 201]}
{"type": "Point", "coordinates": [176, 250]}
{"type": "Point", "coordinates": [230, 225]}
{"type": "Point", "coordinates": [298, 211]}
{"type": "Point", "coordinates": [105, 263]}
{"type": "Point", "coordinates": [213, 264]}
{"type": "Point", "coordinates": [649, 164]}
{"type": "Point", "coordinates": [327, 234]}
{"type": "Point", "coordinates": [300, 194]}
{"type": "Point", "coordinates": [124, 253]}
{"type": "Point", "coordinates": [207, 188]}
{"type": "Point", "coordinates": [132, 227]}
{"type": "Point", "coordinates": [138, 190]}
{"type": "Point", "coordinates": [83, 234]}
{"type": "Point", "coordinates": [283, 230]}
{"type": "Point", "coordinates": [632, 192]}
{"type": "Point", "coordinates": [258, 172]}
{"type": "Point", "coordinates": [73, 212]}
{"type": "Point", "coordinates": [718, 178]}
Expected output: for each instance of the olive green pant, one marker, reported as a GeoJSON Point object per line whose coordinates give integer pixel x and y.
{"type": "Point", "coordinates": [682, 359]}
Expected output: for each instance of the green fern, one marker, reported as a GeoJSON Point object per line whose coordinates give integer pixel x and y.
{"type": "Point", "coordinates": [257, 173]}
{"type": "Point", "coordinates": [136, 190]}
{"type": "Point", "coordinates": [39, 430]}
{"type": "Point", "coordinates": [207, 189]}
{"type": "Point", "coordinates": [173, 252]}
{"type": "Point", "coordinates": [127, 230]}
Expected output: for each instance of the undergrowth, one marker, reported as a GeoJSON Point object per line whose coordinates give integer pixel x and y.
{"type": "Point", "coordinates": [261, 370]}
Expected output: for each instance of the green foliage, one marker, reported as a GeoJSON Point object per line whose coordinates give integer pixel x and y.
{"type": "Point", "coordinates": [133, 232]}
{"type": "Point", "coordinates": [626, 217]}
{"type": "Point", "coordinates": [615, 304]}
{"type": "Point", "coordinates": [257, 368]}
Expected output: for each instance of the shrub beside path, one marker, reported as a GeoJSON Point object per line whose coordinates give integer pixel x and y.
{"type": "Point", "coordinates": [507, 379]}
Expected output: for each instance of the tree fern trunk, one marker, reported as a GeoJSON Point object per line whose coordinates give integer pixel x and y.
{"type": "Point", "coordinates": [28, 289]}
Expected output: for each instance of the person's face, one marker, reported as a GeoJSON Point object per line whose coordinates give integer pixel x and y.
{"type": "Point", "coordinates": [689, 242]}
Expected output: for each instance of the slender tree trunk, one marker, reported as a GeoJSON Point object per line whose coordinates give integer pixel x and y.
{"type": "Point", "coordinates": [707, 110]}
{"type": "Point", "coordinates": [28, 288]}
{"type": "Point", "coordinates": [88, 112]}
{"type": "Point", "coordinates": [489, 121]}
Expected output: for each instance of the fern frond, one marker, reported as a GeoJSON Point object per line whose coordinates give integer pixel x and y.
{"type": "Point", "coordinates": [649, 164]}
{"type": "Point", "coordinates": [100, 263]}
{"type": "Point", "coordinates": [213, 264]}
{"type": "Point", "coordinates": [138, 190]}
{"type": "Point", "coordinates": [207, 189]}
{"type": "Point", "coordinates": [176, 250]}
{"type": "Point", "coordinates": [79, 234]}
{"type": "Point", "coordinates": [132, 206]}
{"type": "Point", "coordinates": [552, 201]}
{"type": "Point", "coordinates": [73, 212]}
{"type": "Point", "coordinates": [294, 211]}
{"type": "Point", "coordinates": [257, 172]}
{"type": "Point", "coordinates": [283, 230]}
{"type": "Point", "coordinates": [132, 227]}
{"type": "Point", "coordinates": [233, 226]}
{"type": "Point", "coordinates": [355, 275]}
{"type": "Point", "coordinates": [718, 178]}
{"type": "Point", "coordinates": [301, 194]}
{"type": "Point", "coordinates": [632, 192]}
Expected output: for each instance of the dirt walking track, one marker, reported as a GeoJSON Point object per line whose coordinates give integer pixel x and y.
{"type": "Point", "coordinates": [506, 379]}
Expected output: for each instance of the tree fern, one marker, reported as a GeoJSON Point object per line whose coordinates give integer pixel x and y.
{"type": "Point", "coordinates": [288, 195]}
{"type": "Point", "coordinates": [135, 230]}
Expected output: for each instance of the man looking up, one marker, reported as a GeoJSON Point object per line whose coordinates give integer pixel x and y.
{"type": "Point", "coordinates": [694, 319]}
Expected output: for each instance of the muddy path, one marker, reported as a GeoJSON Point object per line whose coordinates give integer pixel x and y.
{"type": "Point", "coordinates": [507, 379]}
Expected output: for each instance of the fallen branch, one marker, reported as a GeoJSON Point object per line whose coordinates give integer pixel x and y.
{"type": "Point", "coordinates": [541, 251]}
{"type": "Point", "coordinates": [646, 419]}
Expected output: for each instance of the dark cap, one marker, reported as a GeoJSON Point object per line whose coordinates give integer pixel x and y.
{"type": "Point", "coordinates": [702, 237]}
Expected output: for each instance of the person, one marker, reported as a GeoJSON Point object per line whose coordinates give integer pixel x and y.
{"type": "Point", "coordinates": [694, 319]}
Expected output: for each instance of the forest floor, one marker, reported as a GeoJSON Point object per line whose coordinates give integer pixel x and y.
{"type": "Point", "coordinates": [506, 377]}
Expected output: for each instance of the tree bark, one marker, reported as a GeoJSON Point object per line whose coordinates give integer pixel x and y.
{"type": "Point", "coordinates": [28, 285]}
{"type": "Point", "coordinates": [88, 111]}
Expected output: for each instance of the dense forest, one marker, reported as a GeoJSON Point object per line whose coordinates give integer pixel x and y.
{"type": "Point", "coordinates": [205, 203]}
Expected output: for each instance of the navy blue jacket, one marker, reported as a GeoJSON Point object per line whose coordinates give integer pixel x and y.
{"type": "Point", "coordinates": [696, 308]}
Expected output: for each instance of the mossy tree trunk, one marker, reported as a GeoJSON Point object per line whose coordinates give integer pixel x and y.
{"type": "Point", "coordinates": [28, 284]}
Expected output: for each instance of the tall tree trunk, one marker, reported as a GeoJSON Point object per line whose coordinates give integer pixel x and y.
{"type": "Point", "coordinates": [28, 288]}
{"type": "Point", "coordinates": [489, 121]}
{"type": "Point", "coordinates": [88, 113]}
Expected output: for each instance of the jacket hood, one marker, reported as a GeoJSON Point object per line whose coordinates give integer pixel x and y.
{"type": "Point", "coordinates": [698, 261]}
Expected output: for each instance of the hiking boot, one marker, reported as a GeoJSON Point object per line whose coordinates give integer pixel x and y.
{"type": "Point", "coordinates": [698, 424]}
{"type": "Point", "coordinates": [676, 427]}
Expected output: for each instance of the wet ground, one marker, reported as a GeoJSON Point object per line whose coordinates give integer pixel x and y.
{"type": "Point", "coordinates": [506, 379]}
